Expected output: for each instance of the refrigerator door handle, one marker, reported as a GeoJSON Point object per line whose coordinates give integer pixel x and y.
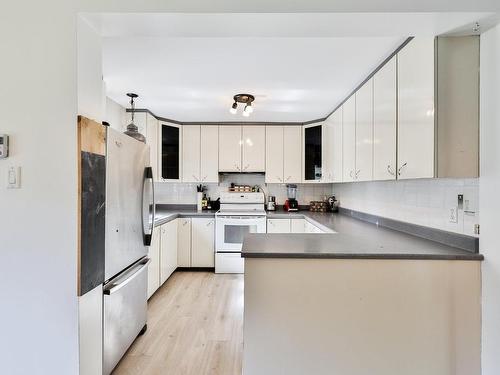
{"type": "Point", "coordinates": [149, 226]}
{"type": "Point", "coordinates": [127, 277]}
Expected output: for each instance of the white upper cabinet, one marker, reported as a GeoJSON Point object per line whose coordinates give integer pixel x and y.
{"type": "Point", "coordinates": [274, 154]}
{"type": "Point", "coordinates": [254, 149]}
{"type": "Point", "coordinates": [349, 139]}
{"type": "Point", "coordinates": [384, 122]}
{"type": "Point", "coordinates": [200, 159]}
{"type": "Point", "coordinates": [333, 147]}
{"type": "Point", "coordinates": [283, 154]}
{"type": "Point", "coordinates": [416, 109]}
{"type": "Point", "coordinates": [230, 148]}
{"type": "Point", "coordinates": [364, 133]}
{"type": "Point", "coordinates": [209, 163]}
{"type": "Point", "coordinates": [292, 154]}
{"type": "Point", "coordinates": [337, 153]}
{"type": "Point", "coordinates": [191, 153]}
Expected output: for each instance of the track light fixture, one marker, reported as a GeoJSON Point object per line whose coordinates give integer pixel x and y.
{"type": "Point", "coordinates": [246, 99]}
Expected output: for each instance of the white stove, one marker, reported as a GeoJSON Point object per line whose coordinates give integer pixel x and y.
{"type": "Point", "coordinates": [239, 214]}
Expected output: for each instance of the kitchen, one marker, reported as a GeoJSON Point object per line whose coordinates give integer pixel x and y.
{"type": "Point", "coordinates": [192, 235]}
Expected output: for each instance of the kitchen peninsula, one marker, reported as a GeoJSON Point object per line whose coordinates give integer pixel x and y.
{"type": "Point", "coordinates": [314, 302]}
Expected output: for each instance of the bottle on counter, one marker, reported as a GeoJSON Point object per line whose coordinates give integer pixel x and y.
{"type": "Point", "coordinates": [204, 202]}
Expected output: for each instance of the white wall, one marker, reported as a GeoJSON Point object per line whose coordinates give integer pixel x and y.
{"type": "Point", "coordinates": [115, 114]}
{"type": "Point", "coordinates": [490, 202]}
{"type": "Point", "coordinates": [38, 92]}
{"type": "Point", "coordinates": [91, 97]}
{"type": "Point", "coordinates": [424, 202]}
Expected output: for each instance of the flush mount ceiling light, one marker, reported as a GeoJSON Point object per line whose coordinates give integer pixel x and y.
{"type": "Point", "coordinates": [246, 99]}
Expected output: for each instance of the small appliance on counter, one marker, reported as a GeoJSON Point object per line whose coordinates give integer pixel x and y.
{"type": "Point", "coordinates": [333, 204]}
{"type": "Point", "coordinates": [271, 203]}
{"type": "Point", "coordinates": [318, 206]}
{"type": "Point", "coordinates": [291, 203]}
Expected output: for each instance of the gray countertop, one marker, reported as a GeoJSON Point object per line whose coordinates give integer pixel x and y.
{"type": "Point", "coordinates": [164, 216]}
{"type": "Point", "coordinates": [353, 238]}
{"type": "Point", "coordinates": [346, 237]}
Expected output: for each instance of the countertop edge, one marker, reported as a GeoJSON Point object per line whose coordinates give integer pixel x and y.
{"type": "Point", "coordinates": [267, 255]}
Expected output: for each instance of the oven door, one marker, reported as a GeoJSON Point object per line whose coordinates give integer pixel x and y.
{"type": "Point", "coordinates": [231, 231]}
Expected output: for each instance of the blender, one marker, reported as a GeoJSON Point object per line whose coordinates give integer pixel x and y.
{"type": "Point", "coordinates": [291, 203]}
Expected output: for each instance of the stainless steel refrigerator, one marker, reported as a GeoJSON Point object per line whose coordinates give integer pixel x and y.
{"type": "Point", "coordinates": [129, 227]}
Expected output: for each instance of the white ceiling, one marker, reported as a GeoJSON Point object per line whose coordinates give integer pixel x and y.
{"type": "Point", "coordinates": [299, 66]}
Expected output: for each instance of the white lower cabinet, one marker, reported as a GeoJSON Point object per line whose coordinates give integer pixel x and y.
{"type": "Point", "coordinates": [184, 243]}
{"type": "Point", "coordinates": [154, 265]}
{"type": "Point", "coordinates": [291, 226]}
{"type": "Point", "coordinates": [297, 226]}
{"type": "Point", "coordinates": [168, 250]}
{"type": "Point", "coordinates": [278, 225]}
{"type": "Point", "coordinates": [202, 242]}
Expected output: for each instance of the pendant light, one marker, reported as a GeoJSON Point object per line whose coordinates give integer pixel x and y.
{"type": "Point", "coordinates": [132, 129]}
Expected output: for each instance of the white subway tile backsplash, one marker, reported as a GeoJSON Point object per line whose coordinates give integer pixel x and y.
{"type": "Point", "coordinates": [424, 202]}
{"type": "Point", "coordinates": [183, 193]}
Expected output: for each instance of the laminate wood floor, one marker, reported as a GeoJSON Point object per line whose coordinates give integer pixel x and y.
{"type": "Point", "coordinates": [195, 327]}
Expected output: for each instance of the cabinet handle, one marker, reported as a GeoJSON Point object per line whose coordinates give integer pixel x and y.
{"type": "Point", "coordinates": [288, 178]}
{"type": "Point", "coordinates": [210, 223]}
{"type": "Point", "coordinates": [390, 171]}
{"type": "Point", "coordinates": [350, 174]}
{"type": "Point", "coordinates": [204, 178]}
{"type": "Point", "coordinates": [246, 167]}
{"type": "Point", "coordinates": [401, 168]}
{"type": "Point", "coordinates": [184, 223]}
{"type": "Point", "coordinates": [357, 173]}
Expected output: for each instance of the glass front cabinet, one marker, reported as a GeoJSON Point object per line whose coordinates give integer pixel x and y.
{"type": "Point", "coordinates": [313, 153]}
{"type": "Point", "coordinates": [170, 152]}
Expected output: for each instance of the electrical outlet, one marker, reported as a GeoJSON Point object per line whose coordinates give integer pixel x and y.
{"type": "Point", "coordinates": [453, 215]}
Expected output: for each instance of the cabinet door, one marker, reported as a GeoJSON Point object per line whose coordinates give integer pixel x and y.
{"type": "Point", "coordinates": [152, 142]}
{"type": "Point", "coordinates": [254, 149]}
{"type": "Point", "coordinates": [416, 109]}
{"type": "Point", "coordinates": [349, 139]}
{"type": "Point", "coordinates": [384, 122]}
{"type": "Point", "coordinates": [297, 226]}
{"type": "Point", "coordinates": [364, 133]}
{"type": "Point", "coordinates": [184, 242]}
{"type": "Point", "coordinates": [274, 154]}
{"type": "Point", "coordinates": [313, 153]}
{"type": "Point", "coordinates": [154, 265]}
{"type": "Point", "coordinates": [337, 153]}
{"type": "Point", "coordinates": [191, 153]}
{"type": "Point", "coordinates": [333, 147]}
{"type": "Point", "coordinates": [230, 148]}
{"type": "Point", "coordinates": [170, 152]}
{"type": "Point", "coordinates": [203, 246]}
{"type": "Point", "coordinates": [292, 154]}
{"type": "Point", "coordinates": [278, 225]}
{"type": "Point", "coordinates": [168, 250]}
{"type": "Point", "coordinates": [209, 164]}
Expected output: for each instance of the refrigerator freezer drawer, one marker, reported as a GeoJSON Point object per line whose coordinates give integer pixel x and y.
{"type": "Point", "coordinates": [125, 312]}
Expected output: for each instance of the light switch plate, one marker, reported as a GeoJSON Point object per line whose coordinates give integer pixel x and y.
{"type": "Point", "coordinates": [14, 178]}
